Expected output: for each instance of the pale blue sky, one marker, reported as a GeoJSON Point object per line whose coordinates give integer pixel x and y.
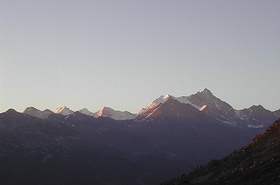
{"type": "Point", "coordinates": [124, 54]}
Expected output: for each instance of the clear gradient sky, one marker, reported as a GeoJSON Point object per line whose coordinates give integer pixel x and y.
{"type": "Point", "coordinates": [125, 53]}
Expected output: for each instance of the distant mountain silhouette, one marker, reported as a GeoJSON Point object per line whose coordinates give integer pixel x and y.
{"type": "Point", "coordinates": [257, 163]}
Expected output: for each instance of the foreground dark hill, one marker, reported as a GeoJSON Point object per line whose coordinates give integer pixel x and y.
{"type": "Point", "coordinates": [257, 163]}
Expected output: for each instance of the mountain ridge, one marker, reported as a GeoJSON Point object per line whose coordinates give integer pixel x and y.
{"type": "Point", "coordinates": [205, 101]}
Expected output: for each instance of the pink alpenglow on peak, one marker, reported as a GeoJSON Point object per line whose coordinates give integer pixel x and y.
{"type": "Point", "coordinates": [203, 107]}
{"type": "Point", "coordinates": [65, 111]}
{"type": "Point", "coordinates": [160, 100]}
{"type": "Point", "coordinates": [114, 114]}
{"type": "Point", "coordinates": [163, 99]}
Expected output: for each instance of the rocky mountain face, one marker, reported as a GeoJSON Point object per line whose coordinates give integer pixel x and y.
{"type": "Point", "coordinates": [257, 163]}
{"type": "Point", "coordinates": [214, 106]}
{"type": "Point", "coordinates": [171, 109]}
{"type": "Point", "coordinates": [255, 117]}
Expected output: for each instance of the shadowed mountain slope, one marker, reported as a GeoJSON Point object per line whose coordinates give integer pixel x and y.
{"type": "Point", "coordinates": [257, 163]}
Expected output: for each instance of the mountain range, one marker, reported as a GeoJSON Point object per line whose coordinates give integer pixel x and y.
{"type": "Point", "coordinates": [65, 111]}
{"type": "Point", "coordinates": [204, 101]}
{"type": "Point", "coordinates": [170, 136]}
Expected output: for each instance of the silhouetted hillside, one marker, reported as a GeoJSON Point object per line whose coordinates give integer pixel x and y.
{"type": "Point", "coordinates": [257, 163]}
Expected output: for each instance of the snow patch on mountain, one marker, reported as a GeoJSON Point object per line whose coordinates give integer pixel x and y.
{"type": "Point", "coordinates": [63, 111]}
{"type": "Point", "coordinates": [185, 100]}
{"type": "Point", "coordinates": [255, 126]}
{"type": "Point", "coordinates": [114, 114]}
{"type": "Point", "coordinates": [232, 123]}
{"type": "Point", "coordinates": [241, 115]}
{"type": "Point", "coordinates": [87, 112]}
{"type": "Point", "coordinates": [162, 99]}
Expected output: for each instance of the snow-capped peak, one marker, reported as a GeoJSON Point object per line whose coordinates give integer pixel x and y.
{"type": "Point", "coordinates": [86, 112]}
{"type": "Point", "coordinates": [160, 100]}
{"type": "Point", "coordinates": [114, 114]}
{"type": "Point", "coordinates": [64, 111]}
{"type": "Point", "coordinates": [105, 112]}
{"type": "Point", "coordinates": [185, 100]}
{"type": "Point", "coordinates": [163, 99]}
